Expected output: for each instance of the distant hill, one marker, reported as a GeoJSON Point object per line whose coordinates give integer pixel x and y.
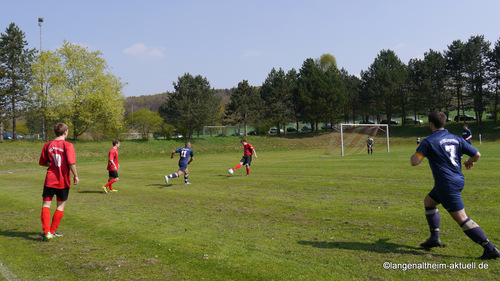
{"type": "Point", "coordinates": [153, 102]}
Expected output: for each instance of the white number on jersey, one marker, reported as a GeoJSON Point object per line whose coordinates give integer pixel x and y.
{"type": "Point", "coordinates": [183, 153]}
{"type": "Point", "coordinates": [452, 150]}
{"type": "Point", "coordinates": [57, 159]}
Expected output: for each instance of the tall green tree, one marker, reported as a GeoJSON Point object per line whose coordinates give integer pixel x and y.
{"type": "Point", "coordinates": [494, 72]}
{"type": "Point", "coordinates": [87, 96]}
{"type": "Point", "coordinates": [49, 80]}
{"type": "Point", "coordinates": [192, 105]}
{"type": "Point", "coordinates": [455, 70]}
{"type": "Point", "coordinates": [15, 74]}
{"type": "Point", "coordinates": [276, 92]}
{"type": "Point", "coordinates": [476, 60]}
{"type": "Point", "coordinates": [245, 104]}
{"type": "Point", "coordinates": [311, 89]}
{"type": "Point", "coordinates": [388, 76]}
{"type": "Point", "coordinates": [353, 87]}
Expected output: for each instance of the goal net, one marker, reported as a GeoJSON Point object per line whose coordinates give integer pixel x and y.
{"type": "Point", "coordinates": [350, 139]}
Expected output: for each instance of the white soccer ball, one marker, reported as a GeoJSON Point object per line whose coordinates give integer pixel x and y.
{"type": "Point", "coordinates": [230, 171]}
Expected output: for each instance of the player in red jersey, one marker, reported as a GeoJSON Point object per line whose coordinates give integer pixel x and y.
{"type": "Point", "coordinates": [248, 150]}
{"type": "Point", "coordinates": [113, 167]}
{"type": "Point", "coordinates": [59, 156]}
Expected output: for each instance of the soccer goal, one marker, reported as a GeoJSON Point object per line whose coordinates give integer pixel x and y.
{"type": "Point", "coordinates": [353, 136]}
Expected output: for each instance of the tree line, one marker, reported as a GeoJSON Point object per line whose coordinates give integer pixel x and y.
{"type": "Point", "coordinates": [75, 86]}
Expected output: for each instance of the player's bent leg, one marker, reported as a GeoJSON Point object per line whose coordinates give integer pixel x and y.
{"type": "Point", "coordinates": [476, 234]}
{"type": "Point", "coordinates": [434, 220]}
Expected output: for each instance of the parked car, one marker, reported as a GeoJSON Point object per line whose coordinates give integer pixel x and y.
{"type": "Point", "coordinates": [237, 134]}
{"type": "Point", "coordinates": [291, 129]}
{"type": "Point", "coordinates": [465, 117]}
{"type": "Point", "coordinates": [411, 120]}
{"type": "Point", "coordinates": [329, 126]}
{"type": "Point", "coordinates": [274, 131]}
{"type": "Point", "coordinates": [7, 135]}
{"type": "Point", "coordinates": [306, 128]}
{"type": "Point", "coordinates": [253, 133]}
{"type": "Point", "coordinates": [394, 122]}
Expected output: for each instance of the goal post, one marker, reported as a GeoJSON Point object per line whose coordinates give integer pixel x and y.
{"type": "Point", "coordinates": [342, 127]}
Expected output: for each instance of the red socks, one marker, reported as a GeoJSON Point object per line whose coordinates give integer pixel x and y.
{"type": "Point", "coordinates": [56, 219]}
{"type": "Point", "coordinates": [46, 226]}
{"type": "Point", "coordinates": [45, 216]}
{"type": "Point", "coordinates": [248, 171]}
{"type": "Point", "coordinates": [110, 183]}
{"type": "Point", "coordinates": [237, 166]}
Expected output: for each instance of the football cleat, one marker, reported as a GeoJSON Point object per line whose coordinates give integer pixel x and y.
{"type": "Point", "coordinates": [55, 234]}
{"type": "Point", "coordinates": [166, 179]}
{"type": "Point", "coordinates": [490, 255]}
{"type": "Point", "coordinates": [187, 183]}
{"type": "Point", "coordinates": [114, 190]}
{"type": "Point", "coordinates": [431, 243]}
{"type": "Point", "coordinates": [47, 237]}
{"type": "Point", "coordinates": [104, 189]}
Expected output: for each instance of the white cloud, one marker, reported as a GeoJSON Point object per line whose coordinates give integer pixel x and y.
{"type": "Point", "coordinates": [400, 46]}
{"type": "Point", "coordinates": [139, 49]}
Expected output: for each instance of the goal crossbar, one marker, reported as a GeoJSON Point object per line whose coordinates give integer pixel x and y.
{"type": "Point", "coordinates": [362, 125]}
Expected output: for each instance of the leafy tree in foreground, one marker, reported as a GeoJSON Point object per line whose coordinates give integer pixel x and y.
{"type": "Point", "coordinates": [86, 96]}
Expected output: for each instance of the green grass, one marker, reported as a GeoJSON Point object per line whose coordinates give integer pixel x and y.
{"type": "Point", "coordinates": [299, 216]}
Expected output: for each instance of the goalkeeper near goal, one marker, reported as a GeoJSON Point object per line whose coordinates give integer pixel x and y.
{"type": "Point", "coordinates": [369, 145]}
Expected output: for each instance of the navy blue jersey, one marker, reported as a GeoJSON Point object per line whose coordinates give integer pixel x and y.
{"type": "Point", "coordinates": [186, 153]}
{"type": "Point", "coordinates": [466, 133]}
{"type": "Point", "coordinates": [444, 151]}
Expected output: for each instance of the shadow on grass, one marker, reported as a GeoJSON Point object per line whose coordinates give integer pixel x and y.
{"type": "Point", "coordinates": [381, 246]}
{"type": "Point", "coordinates": [33, 236]}
{"type": "Point", "coordinates": [90, 191]}
{"type": "Point", "coordinates": [159, 185]}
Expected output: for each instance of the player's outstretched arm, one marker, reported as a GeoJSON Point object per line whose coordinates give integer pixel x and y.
{"type": "Point", "coordinates": [255, 153]}
{"type": "Point", "coordinates": [469, 164]}
{"type": "Point", "coordinates": [173, 153]}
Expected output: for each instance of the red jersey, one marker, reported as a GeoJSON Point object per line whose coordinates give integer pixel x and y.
{"type": "Point", "coordinates": [113, 155]}
{"type": "Point", "coordinates": [59, 154]}
{"type": "Point", "coordinates": [247, 149]}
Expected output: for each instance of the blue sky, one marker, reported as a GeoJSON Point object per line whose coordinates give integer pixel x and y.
{"type": "Point", "coordinates": [150, 43]}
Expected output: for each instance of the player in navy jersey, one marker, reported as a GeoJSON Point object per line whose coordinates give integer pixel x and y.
{"type": "Point", "coordinates": [186, 158]}
{"type": "Point", "coordinates": [444, 152]}
{"type": "Point", "coordinates": [467, 134]}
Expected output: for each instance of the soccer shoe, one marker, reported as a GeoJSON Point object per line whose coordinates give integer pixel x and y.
{"type": "Point", "coordinates": [55, 234]}
{"type": "Point", "coordinates": [114, 190]}
{"type": "Point", "coordinates": [187, 183]}
{"type": "Point", "coordinates": [431, 243]}
{"type": "Point", "coordinates": [166, 179]}
{"type": "Point", "coordinates": [104, 189]}
{"type": "Point", "coordinates": [487, 255]}
{"type": "Point", "coordinates": [47, 237]}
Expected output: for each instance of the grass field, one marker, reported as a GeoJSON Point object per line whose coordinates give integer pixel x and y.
{"type": "Point", "coordinates": [299, 216]}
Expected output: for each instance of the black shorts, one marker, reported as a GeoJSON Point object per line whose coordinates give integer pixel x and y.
{"type": "Point", "coordinates": [247, 159]}
{"type": "Point", "coordinates": [113, 174]}
{"type": "Point", "coordinates": [49, 192]}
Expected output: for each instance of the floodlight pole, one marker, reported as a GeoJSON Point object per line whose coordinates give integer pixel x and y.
{"type": "Point", "coordinates": [40, 21]}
